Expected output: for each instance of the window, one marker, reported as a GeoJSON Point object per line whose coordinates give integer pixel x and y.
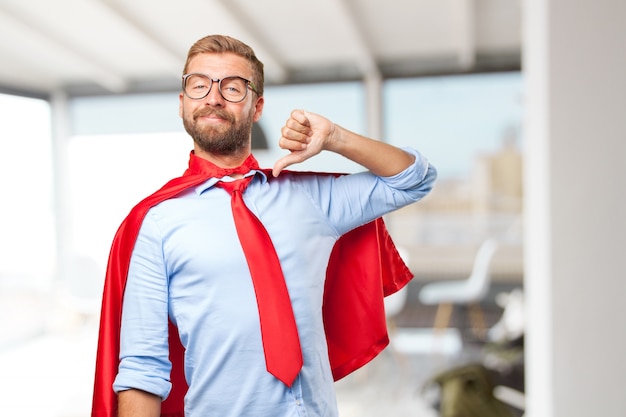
{"type": "Point", "coordinates": [27, 235]}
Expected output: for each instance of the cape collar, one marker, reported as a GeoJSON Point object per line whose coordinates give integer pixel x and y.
{"type": "Point", "coordinates": [201, 166]}
{"type": "Point", "coordinates": [213, 173]}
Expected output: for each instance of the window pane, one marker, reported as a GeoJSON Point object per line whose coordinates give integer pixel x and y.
{"type": "Point", "coordinates": [27, 242]}
{"type": "Point", "coordinates": [469, 127]}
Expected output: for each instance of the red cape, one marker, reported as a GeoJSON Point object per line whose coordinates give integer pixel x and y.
{"type": "Point", "coordinates": [364, 267]}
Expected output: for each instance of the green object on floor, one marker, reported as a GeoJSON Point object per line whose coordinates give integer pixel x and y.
{"type": "Point", "coordinates": [467, 391]}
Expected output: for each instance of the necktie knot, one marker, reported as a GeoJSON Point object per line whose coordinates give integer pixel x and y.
{"type": "Point", "coordinates": [237, 185]}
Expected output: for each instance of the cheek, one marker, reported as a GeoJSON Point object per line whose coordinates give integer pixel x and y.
{"type": "Point", "coordinates": [243, 113]}
{"type": "Point", "coordinates": [186, 110]}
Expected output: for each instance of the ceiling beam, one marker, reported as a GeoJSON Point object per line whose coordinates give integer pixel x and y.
{"type": "Point", "coordinates": [367, 64]}
{"type": "Point", "coordinates": [262, 47]}
{"type": "Point", "coordinates": [366, 61]}
{"type": "Point", "coordinates": [467, 32]}
{"type": "Point", "coordinates": [154, 37]}
{"type": "Point", "coordinates": [99, 72]}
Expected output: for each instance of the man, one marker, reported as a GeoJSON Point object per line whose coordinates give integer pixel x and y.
{"type": "Point", "coordinates": [187, 276]}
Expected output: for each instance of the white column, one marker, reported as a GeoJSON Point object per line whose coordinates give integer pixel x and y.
{"type": "Point", "coordinates": [575, 187]}
{"type": "Point", "coordinates": [60, 136]}
{"type": "Point", "coordinates": [373, 96]}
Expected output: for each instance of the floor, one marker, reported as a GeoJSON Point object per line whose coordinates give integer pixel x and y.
{"type": "Point", "coordinates": [396, 382]}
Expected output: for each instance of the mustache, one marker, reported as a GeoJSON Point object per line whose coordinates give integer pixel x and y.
{"type": "Point", "coordinates": [216, 112]}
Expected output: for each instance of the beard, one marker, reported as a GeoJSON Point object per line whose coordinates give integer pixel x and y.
{"type": "Point", "coordinates": [220, 140]}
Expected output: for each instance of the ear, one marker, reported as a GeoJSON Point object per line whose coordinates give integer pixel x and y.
{"type": "Point", "coordinates": [180, 105]}
{"type": "Point", "coordinates": [258, 108]}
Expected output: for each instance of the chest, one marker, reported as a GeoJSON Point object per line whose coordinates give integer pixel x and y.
{"type": "Point", "coordinates": [205, 262]}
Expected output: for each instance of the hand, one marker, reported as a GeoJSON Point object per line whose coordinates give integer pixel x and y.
{"type": "Point", "coordinates": [304, 135]}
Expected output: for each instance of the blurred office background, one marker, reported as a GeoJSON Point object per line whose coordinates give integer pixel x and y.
{"type": "Point", "coordinates": [519, 104]}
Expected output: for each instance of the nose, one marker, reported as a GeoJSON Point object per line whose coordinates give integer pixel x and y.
{"type": "Point", "coordinates": [214, 98]}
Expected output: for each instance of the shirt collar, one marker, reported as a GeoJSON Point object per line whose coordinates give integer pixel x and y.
{"type": "Point", "coordinates": [199, 189]}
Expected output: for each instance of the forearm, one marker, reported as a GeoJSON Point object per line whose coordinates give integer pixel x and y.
{"type": "Point", "coordinates": [378, 157]}
{"type": "Point", "coordinates": [137, 403]}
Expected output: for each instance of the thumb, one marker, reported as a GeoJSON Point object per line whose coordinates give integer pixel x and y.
{"type": "Point", "coordinates": [283, 163]}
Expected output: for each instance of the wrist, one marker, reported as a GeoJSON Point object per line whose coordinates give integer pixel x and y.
{"type": "Point", "coordinates": [334, 138]}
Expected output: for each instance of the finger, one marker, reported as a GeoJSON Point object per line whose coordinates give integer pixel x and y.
{"type": "Point", "coordinates": [296, 126]}
{"type": "Point", "coordinates": [299, 122]}
{"type": "Point", "coordinates": [293, 140]}
{"type": "Point", "coordinates": [283, 163]}
{"type": "Point", "coordinates": [293, 144]}
{"type": "Point", "coordinates": [301, 117]}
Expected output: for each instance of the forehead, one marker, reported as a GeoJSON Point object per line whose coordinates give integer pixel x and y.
{"type": "Point", "coordinates": [219, 65]}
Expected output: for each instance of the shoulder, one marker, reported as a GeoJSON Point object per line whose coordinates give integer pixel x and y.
{"type": "Point", "coordinates": [288, 175]}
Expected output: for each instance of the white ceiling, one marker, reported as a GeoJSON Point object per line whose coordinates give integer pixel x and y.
{"type": "Point", "coordinates": [118, 46]}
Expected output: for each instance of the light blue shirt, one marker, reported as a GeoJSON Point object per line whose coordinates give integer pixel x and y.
{"type": "Point", "coordinates": [188, 265]}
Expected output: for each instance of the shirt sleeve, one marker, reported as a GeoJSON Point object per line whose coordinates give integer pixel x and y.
{"type": "Point", "coordinates": [144, 351]}
{"type": "Point", "coordinates": [416, 180]}
{"type": "Point", "coordinates": [349, 201]}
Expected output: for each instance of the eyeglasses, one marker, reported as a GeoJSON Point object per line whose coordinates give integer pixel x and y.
{"type": "Point", "coordinates": [234, 89]}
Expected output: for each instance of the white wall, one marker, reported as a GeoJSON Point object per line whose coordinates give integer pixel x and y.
{"type": "Point", "coordinates": [575, 66]}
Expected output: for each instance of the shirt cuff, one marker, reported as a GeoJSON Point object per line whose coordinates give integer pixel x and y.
{"type": "Point", "coordinates": [129, 377]}
{"type": "Point", "coordinates": [413, 174]}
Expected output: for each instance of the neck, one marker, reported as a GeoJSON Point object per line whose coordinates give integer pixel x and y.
{"type": "Point", "coordinates": [224, 161]}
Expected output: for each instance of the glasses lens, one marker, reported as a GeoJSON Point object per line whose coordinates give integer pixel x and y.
{"type": "Point", "coordinates": [233, 88]}
{"type": "Point", "coordinates": [197, 86]}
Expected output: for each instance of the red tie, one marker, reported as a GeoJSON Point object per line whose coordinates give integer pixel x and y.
{"type": "Point", "coordinates": [281, 344]}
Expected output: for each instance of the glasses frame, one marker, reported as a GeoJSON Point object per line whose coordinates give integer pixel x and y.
{"type": "Point", "coordinates": [249, 85]}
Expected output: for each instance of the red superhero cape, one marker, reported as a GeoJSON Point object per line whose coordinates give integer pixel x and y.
{"type": "Point", "coordinates": [364, 267]}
